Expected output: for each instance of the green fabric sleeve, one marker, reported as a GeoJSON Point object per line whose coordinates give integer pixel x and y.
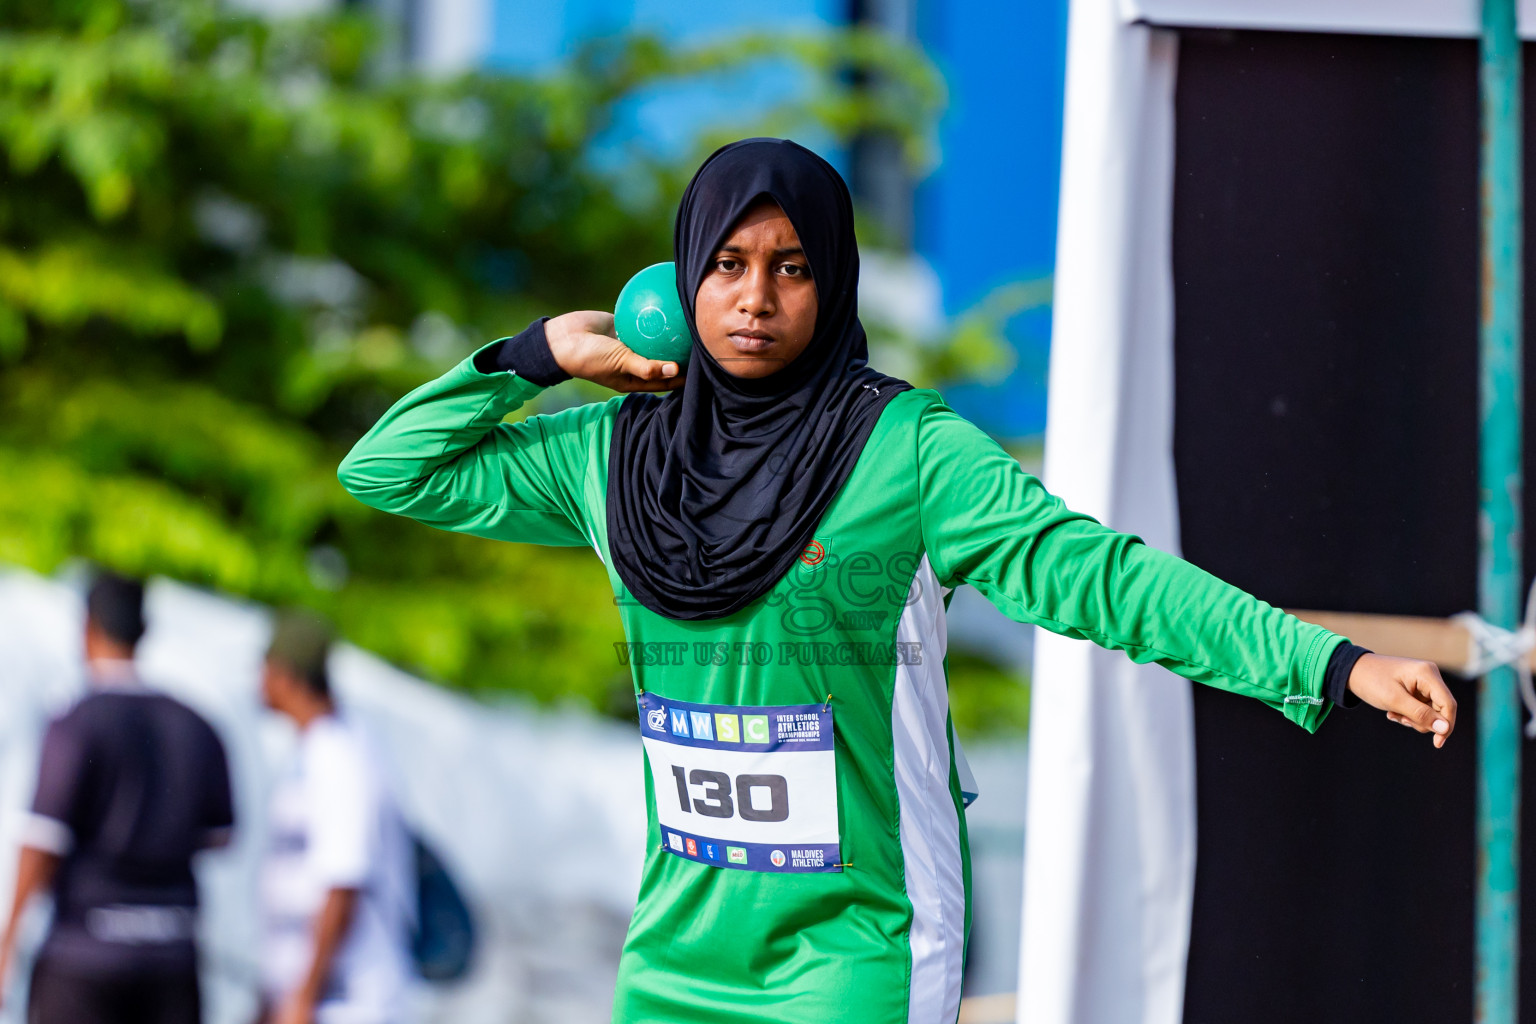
{"type": "Point", "coordinates": [988, 523]}
{"type": "Point", "coordinates": [442, 456]}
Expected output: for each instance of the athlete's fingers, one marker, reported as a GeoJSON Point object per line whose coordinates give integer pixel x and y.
{"type": "Point", "coordinates": [1445, 707]}
{"type": "Point", "coordinates": [1428, 688]}
{"type": "Point", "coordinates": [1413, 711]}
{"type": "Point", "coordinates": [1420, 716]}
{"type": "Point", "coordinates": [1439, 740]}
{"type": "Point", "coordinates": [1432, 688]}
{"type": "Point", "coordinates": [638, 366]}
{"type": "Point", "coordinates": [641, 368]}
{"type": "Point", "coordinates": [1412, 693]}
{"type": "Point", "coordinates": [648, 374]}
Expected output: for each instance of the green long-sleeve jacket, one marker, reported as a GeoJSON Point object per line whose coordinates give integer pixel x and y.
{"type": "Point", "coordinates": [807, 844]}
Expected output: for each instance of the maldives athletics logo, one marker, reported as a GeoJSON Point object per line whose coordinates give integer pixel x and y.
{"type": "Point", "coordinates": [813, 555]}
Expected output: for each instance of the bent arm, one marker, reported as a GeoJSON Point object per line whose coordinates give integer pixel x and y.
{"type": "Point", "coordinates": [331, 926]}
{"type": "Point", "coordinates": [34, 873]}
{"type": "Point", "coordinates": [988, 523]}
{"type": "Point", "coordinates": [442, 456]}
{"type": "Point", "coordinates": [47, 836]}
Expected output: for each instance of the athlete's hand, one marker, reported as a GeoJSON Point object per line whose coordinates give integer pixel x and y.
{"type": "Point", "coordinates": [1410, 692]}
{"type": "Point", "coordinates": [584, 345]}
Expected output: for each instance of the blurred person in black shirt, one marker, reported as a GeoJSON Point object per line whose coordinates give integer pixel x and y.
{"type": "Point", "coordinates": [130, 786]}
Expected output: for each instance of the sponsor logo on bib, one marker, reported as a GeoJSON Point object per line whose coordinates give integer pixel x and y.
{"type": "Point", "coordinates": [656, 718]}
{"type": "Point", "coordinates": [777, 856]}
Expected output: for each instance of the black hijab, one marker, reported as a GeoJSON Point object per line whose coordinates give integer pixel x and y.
{"type": "Point", "coordinates": [714, 491]}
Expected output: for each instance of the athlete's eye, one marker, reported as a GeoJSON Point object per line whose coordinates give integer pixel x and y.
{"type": "Point", "coordinates": [794, 270]}
{"type": "Point", "coordinates": [727, 264]}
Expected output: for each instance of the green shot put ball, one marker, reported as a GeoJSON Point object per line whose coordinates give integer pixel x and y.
{"type": "Point", "coordinates": [649, 318]}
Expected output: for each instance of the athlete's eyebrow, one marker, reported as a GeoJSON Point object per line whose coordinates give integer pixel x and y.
{"type": "Point", "coordinates": [791, 251]}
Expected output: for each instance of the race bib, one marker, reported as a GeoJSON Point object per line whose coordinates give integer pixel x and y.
{"type": "Point", "coordinates": [753, 788]}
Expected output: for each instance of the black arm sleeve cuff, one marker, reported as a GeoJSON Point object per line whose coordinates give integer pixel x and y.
{"type": "Point", "coordinates": [1336, 679]}
{"type": "Point", "coordinates": [525, 354]}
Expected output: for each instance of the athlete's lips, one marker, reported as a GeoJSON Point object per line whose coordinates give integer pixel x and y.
{"type": "Point", "coordinates": [751, 340]}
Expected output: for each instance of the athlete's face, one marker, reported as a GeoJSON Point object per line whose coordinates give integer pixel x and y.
{"type": "Point", "coordinates": [756, 307]}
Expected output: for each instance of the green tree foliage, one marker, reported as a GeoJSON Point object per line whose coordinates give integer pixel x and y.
{"type": "Point", "coordinates": [228, 243]}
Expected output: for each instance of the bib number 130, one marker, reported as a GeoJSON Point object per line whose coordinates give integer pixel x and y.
{"type": "Point", "coordinates": [721, 777]}
{"type": "Point", "coordinates": [756, 798]}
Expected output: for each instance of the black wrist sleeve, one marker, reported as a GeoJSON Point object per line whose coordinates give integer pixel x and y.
{"type": "Point", "coordinates": [526, 354]}
{"type": "Point", "coordinates": [1336, 679]}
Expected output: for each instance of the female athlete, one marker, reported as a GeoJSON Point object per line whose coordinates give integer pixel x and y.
{"type": "Point", "coordinates": [783, 532]}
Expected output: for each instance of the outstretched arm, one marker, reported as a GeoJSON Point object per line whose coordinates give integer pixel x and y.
{"type": "Point", "coordinates": [988, 523]}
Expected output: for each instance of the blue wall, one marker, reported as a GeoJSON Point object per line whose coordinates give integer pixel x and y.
{"type": "Point", "coordinates": [531, 35]}
{"type": "Point", "coordinates": [987, 216]}
{"type": "Point", "coordinates": [534, 34]}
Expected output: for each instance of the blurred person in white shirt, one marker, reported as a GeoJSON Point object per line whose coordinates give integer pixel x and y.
{"type": "Point", "coordinates": [337, 884]}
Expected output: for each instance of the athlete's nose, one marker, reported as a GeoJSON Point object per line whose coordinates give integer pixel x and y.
{"type": "Point", "coordinates": [757, 297]}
